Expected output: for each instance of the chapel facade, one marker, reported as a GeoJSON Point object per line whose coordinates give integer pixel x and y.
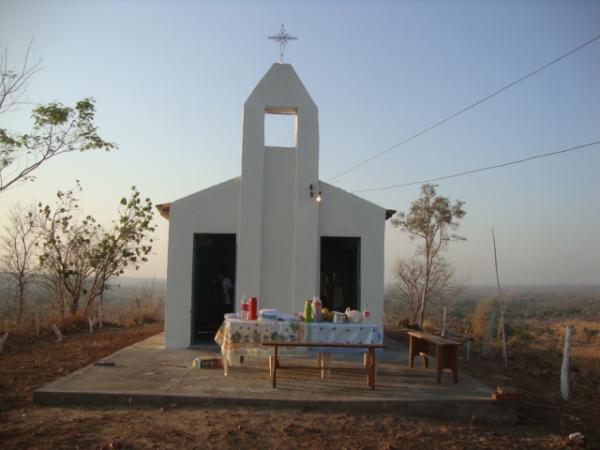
{"type": "Point", "coordinates": [277, 231]}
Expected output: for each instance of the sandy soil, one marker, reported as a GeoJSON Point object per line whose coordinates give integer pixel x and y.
{"type": "Point", "coordinates": [28, 364]}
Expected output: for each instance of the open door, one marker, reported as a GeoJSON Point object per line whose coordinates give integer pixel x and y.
{"type": "Point", "coordinates": [213, 290]}
{"type": "Point", "coordinates": [340, 273]}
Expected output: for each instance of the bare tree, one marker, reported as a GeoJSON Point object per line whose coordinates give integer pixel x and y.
{"type": "Point", "coordinates": [13, 82]}
{"type": "Point", "coordinates": [18, 246]}
{"type": "Point", "coordinates": [57, 129]}
{"type": "Point", "coordinates": [430, 219]}
{"type": "Point", "coordinates": [410, 282]}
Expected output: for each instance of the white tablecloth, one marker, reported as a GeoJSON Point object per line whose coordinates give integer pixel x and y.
{"type": "Point", "coordinates": [245, 337]}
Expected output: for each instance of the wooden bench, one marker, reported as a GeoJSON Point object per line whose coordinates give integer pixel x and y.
{"type": "Point", "coordinates": [369, 357]}
{"type": "Point", "coordinates": [446, 352]}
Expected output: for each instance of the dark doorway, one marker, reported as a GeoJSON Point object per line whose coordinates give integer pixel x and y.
{"type": "Point", "coordinates": [213, 288]}
{"type": "Point", "coordinates": [340, 273]}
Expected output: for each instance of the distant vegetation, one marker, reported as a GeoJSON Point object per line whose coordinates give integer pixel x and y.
{"type": "Point", "coordinates": [536, 318]}
{"type": "Point", "coordinates": [127, 302]}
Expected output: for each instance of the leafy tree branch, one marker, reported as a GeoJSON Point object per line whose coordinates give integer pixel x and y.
{"type": "Point", "coordinates": [57, 129]}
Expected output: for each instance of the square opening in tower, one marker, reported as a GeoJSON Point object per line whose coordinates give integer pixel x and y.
{"type": "Point", "coordinates": [280, 129]}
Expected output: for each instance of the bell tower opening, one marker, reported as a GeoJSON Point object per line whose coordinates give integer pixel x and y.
{"type": "Point", "coordinates": [281, 127]}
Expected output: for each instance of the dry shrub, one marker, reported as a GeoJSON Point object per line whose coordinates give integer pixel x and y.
{"type": "Point", "coordinates": [77, 322]}
{"type": "Point", "coordinates": [482, 317]}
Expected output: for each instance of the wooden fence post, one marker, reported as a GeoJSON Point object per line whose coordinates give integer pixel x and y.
{"type": "Point", "coordinates": [501, 303]}
{"type": "Point", "coordinates": [57, 333]}
{"type": "Point", "coordinates": [566, 364]}
{"type": "Point", "coordinates": [444, 314]}
{"type": "Point", "coordinates": [468, 348]}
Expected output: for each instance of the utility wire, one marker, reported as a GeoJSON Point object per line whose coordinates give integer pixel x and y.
{"type": "Point", "coordinates": [471, 106]}
{"type": "Point", "coordinates": [481, 169]}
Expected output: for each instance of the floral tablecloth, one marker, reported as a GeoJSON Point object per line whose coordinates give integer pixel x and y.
{"type": "Point", "coordinates": [245, 337]}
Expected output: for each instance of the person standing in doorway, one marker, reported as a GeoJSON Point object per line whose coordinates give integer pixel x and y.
{"type": "Point", "coordinates": [225, 287]}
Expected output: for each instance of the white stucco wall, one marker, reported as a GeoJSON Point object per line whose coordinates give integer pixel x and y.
{"type": "Point", "coordinates": [346, 215]}
{"type": "Point", "coordinates": [278, 229]}
{"type": "Point", "coordinates": [213, 210]}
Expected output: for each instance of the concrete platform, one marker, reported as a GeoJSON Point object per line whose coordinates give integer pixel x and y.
{"type": "Point", "coordinates": [148, 374]}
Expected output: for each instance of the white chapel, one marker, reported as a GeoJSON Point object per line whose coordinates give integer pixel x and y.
{"type": "Point", "coordinates": [277, 231]}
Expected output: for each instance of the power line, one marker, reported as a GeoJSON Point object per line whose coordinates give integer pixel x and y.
{"type": "Point", "coordinates": [471, 106]}
{"type": "Point", "coordinates": [481, 169]}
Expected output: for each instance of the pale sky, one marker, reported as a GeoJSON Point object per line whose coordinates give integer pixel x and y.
{"type": "Point", "coordinates": [170, 78]}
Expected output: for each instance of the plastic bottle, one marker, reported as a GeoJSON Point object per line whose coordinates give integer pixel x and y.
{"type": "Point", "coordinates": [316, 309]}
{"type": "Point", "coordinates": [308, 310]}
{"type": "Point", "coordinates": [243, 308]}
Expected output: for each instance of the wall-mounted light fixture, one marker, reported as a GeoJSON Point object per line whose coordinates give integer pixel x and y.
{"type": "Point", "coordinates": [317, 196]}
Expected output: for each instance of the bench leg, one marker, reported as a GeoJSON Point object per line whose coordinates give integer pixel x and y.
{"type": "Point", "coordinates": [425, 359]}
{"type": "Point", "coordinates": [447, 358]}
{"type": "Point", "coordinates": [416, 346]}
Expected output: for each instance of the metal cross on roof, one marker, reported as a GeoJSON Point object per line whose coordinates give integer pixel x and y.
{"type": "Point", "coordinates": [282, 37]}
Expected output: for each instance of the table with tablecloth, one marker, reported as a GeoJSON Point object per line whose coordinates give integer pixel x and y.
{"type": "Point", "coordinates": [239, 338]}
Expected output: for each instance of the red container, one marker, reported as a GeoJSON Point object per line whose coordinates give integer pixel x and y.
{"type": "Point", "coordinates": [253, 306]}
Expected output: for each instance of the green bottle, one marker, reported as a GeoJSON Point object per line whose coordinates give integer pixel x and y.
{"type": "Point", "coordinates": [308, 310]}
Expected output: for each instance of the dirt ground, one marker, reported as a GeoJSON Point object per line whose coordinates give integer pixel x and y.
{"type": "Point", "coordinates": [29, 363]}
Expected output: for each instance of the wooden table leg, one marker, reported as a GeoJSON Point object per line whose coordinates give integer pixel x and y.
{"type": "Point", "coordinates": [323, 360]}
{"type": "Point", "coordinates": [372, 366]}
{"type": "Point", "coordinates": [370, 359]}
{"type": "Point", "coordinates": [368, 367]}
{"type": "Point", "coordinates": [321, 363]}
{"type": "Point", "coordinates": [275, 368]}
